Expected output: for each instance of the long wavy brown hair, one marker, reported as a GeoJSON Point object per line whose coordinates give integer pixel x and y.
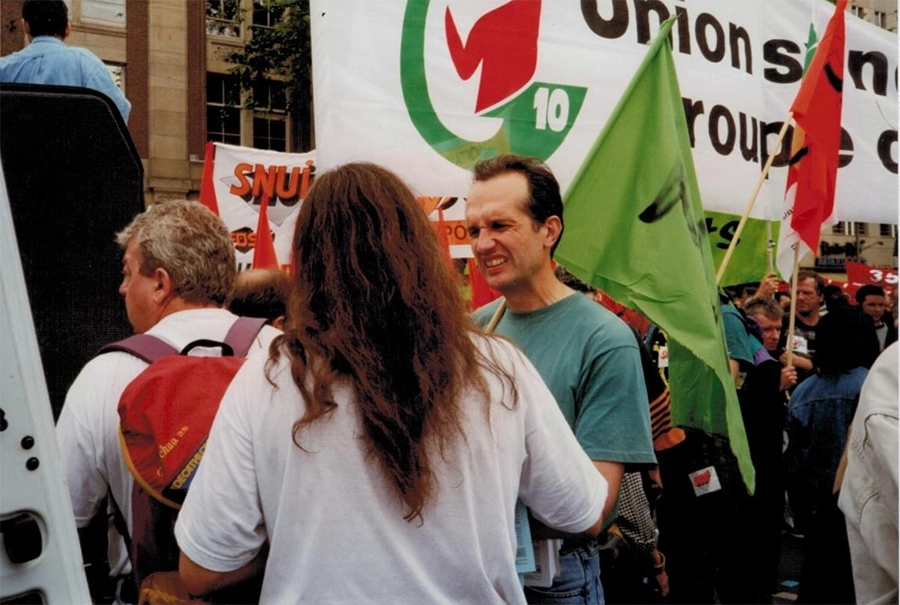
{"type": "Point", "coordinates": [375, 303]}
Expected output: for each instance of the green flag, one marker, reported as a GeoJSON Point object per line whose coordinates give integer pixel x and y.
{"type": "Point", "coordinates": [750, 258]}
{"type": "Point", "coordinates": [635, 228]}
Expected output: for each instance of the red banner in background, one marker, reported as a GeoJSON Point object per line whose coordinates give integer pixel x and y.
{"type": "Point", "coordinates": [864, 274]}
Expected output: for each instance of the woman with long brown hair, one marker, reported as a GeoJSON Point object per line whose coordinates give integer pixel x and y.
{"type": "Point", "coordinates": [381, 449]}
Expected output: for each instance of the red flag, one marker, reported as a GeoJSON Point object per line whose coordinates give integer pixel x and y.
{"type": "Point", "coordinates": [814, 162]}
{"type": "Point", "coordinates": [207, 189]}
{"type": "Point", "coordinates": [264, 255]}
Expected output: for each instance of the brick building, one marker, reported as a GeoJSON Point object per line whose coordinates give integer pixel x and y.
{"type": "Point", "coordinates": [169, 56]}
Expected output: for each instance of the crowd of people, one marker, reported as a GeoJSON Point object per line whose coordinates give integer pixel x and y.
{"type": "Point", "coordinates": [834, 345]}
{"type": "Point", "coordinates": [379, 442]}
{"type": "Point", "coordinates": [384, 428]}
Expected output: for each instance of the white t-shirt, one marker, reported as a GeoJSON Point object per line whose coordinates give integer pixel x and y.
{"type": "Point", "coordinates": [335, 525]}
{"type": "Point", "coordinates": [88, 426]}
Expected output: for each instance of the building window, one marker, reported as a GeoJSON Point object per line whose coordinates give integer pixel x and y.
{"type": "Point", "coordinates": [887, 230]}
{"type": "Point", "coordinates": [269, 134]}
{"type": "Point", "coordinates": [118, 74]}
{"type": "Point", "coordinates": [266, 15]}
{"type": "Point", "coordinates": [223, 113]}
{"type": "Point", "coordinates": [270, 116]}
{"type": "Point", "coordinates": [860, 228]}
{"type": "Point", "coordinates": [223, 18]}
{"type": "Point", "coordinates": [106, 12]}
{"type": "Point", "coordinates": [839, 228]}
{"type": "Point", "coordinates": [878, 18]}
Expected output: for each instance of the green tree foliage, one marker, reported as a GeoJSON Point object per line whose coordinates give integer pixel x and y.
{"type": "Point", "coordinates": [279, 50]}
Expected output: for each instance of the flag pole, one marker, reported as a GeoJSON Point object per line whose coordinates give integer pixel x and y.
{"type": "Point", "coordinates": [498, 315]}
{"type": "Point", "coordinates": [789, 343]}
{"type": "Point", "coordinates": [759, 182]}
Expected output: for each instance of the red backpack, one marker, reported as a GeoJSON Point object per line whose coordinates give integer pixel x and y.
{"type": "Point", "coordinates": [165, 415]}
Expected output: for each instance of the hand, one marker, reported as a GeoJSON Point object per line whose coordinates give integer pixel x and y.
{"type": "Point", "coordinates": [768, 286]}
{"type": "Point", "coordinates": [659, 573]}
{"type": "Point", "coordinates": [798, 361]}
{"type": "Point", "coordinates": [662, 580]}
{"type": "Point", "coordinates": [788, 378]}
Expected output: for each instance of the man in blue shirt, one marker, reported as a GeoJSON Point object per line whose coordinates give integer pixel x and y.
{"type": "Point", "coordinates": [47, 59]}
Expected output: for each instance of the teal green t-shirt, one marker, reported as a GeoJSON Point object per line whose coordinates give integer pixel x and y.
{"type": "Point", "coordinates": [741, 346]}
{"type": "Point", "coordinates": [591, 363]}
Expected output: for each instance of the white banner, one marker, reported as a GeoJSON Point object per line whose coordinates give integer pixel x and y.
{"type": "Point", "coordinates": [426, 87]}
{"type": "Point", "coordinates": [241, 175]}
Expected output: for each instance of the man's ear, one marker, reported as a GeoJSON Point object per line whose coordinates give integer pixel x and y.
{"type": "Point", "coordinates": [554, 230]}
{"type": "Point", "coordinates": [163, 287]}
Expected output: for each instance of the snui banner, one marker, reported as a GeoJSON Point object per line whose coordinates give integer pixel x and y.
{"type": "Point", "coordinates": [241, 179]}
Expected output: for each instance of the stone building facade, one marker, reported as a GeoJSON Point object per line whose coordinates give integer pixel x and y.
{"type": "Point", "coordinates": [168, 55]}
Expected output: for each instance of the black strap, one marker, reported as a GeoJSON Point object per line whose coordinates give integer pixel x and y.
{"type": "Point", "coordinates": [149, 348]}
{"type": "Point", "coordinates": [119, 522]}
{"type": "Point", "coordinates": [227, 351]}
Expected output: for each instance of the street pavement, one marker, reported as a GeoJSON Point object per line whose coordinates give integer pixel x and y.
{"type": "Point", "coordinates": [789, 569]}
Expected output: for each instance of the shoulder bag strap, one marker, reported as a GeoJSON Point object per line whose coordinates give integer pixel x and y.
{"type": "Point", "coordinates": [242, 333]}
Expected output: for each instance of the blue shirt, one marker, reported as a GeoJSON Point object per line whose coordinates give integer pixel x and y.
{"type": "Point", "coordinates": [819, 416]}
{"type": "Point", "coordinates": [47, 60]}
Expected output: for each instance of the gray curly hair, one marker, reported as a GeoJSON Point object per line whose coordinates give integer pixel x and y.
{"type": "Point", "coordinates": [191, 243]}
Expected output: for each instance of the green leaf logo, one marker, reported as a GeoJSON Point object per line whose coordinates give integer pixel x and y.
{"type": "Point", "coordinates": [535, 121]}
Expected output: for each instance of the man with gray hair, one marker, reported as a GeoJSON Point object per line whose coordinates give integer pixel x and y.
{"type": "Point", "coordinates": [178, 270]}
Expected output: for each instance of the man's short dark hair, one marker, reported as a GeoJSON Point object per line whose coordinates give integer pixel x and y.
{"type": "Point", "coordinates": [844, 340]}
{"type": "Point", "coordinates": [261, 293]}
{"type": "Point", "coordinates": [46, 17]}
{"type": "Point", "coordinates": [546, 199]}
{"type": "Point", "coordinates": [820, 281]}
{"type": "Point", "coordinates": [868, 290]}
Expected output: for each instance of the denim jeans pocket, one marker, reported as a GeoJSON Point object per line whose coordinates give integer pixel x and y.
{"type": "Point", "coordinates": [577, 583]}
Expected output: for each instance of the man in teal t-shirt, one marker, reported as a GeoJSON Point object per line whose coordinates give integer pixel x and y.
{"type": "Point", "coordinates": [588, 357]}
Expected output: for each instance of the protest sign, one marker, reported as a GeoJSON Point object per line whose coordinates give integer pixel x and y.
{"type": "Point", "coordinates": [427, 87]}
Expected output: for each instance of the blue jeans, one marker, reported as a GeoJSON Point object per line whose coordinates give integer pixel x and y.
{"type": "Point", "coordinates": [578, 581]}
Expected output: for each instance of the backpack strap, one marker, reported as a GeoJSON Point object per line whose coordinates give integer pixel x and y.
{"type": "Point", "coordinates": [143, 346]}
{"type": "Point", "coordinates": [242, 333]}
{"type": "Point", "coordinates": [149, 348]}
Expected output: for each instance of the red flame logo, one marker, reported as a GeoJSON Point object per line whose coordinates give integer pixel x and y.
{"type": "Point", "coordinates": [504, 43]}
